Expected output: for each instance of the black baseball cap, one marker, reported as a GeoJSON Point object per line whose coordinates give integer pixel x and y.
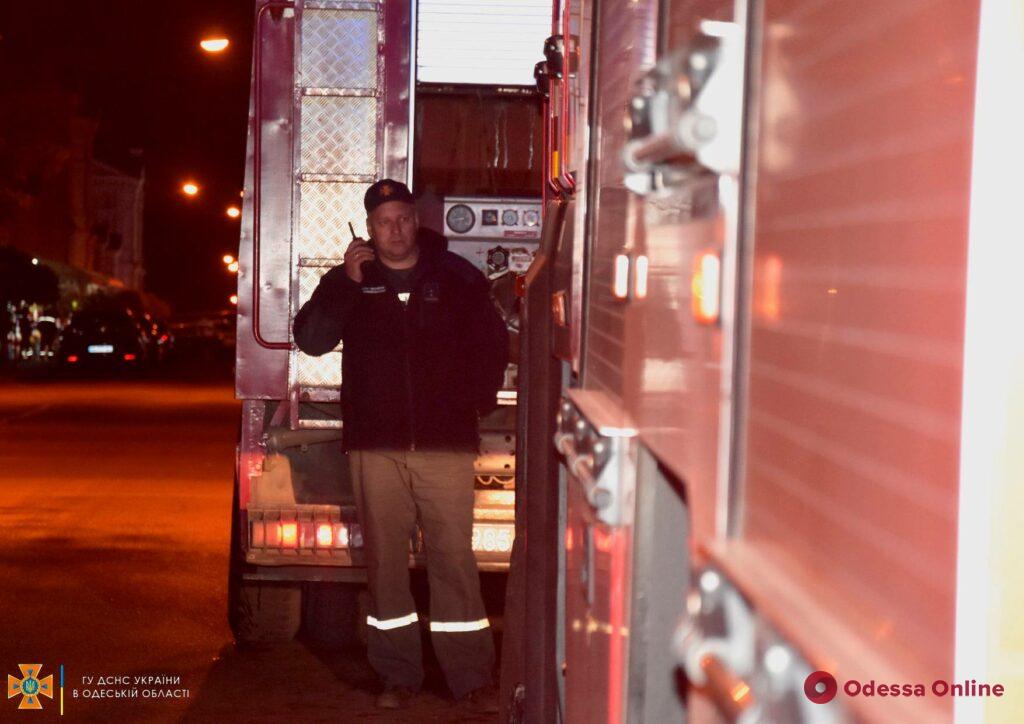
{"type": "Point", "coordinates": [386, 190]}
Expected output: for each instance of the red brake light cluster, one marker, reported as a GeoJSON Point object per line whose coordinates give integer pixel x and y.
{"type": "Point", "coordinates": [304, 535]}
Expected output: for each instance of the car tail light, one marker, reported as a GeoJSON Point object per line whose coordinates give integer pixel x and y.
{"type": "Point", "coordinates": [129, 357]}
{"type": "Point", "coordinates": [72, 358]}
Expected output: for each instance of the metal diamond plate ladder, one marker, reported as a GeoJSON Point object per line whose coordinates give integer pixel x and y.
{"type": "Point", "coordinates": [339, 80]}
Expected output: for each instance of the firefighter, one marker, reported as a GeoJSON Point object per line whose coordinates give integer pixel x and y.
{"type": "Point", "coordinates": [424, 355]}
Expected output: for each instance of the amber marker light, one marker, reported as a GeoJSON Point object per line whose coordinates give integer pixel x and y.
{"type": "Point", "coordinates": [233, 212]}
{"type": "Point", "coordinates": [324, 535]}
{"type": "Point", "coordinates": [289, 534]}
{"type": "Point", "coordinates": [233, 299]}
{"type": "Point", "coordinates": [640, 276]}
{"type": "Point", "coordinates": [214, 45]}
{"type": "Point", "coordinates": [227, 258]}
{"type": "Point", "coordinates": [233, 267]}
{"type": "Point", "coordinates": [706, 287]}
{"type": "Point", "coordinates": [620, 283]}
{"type": "Point", "coordinates": [190, 188]}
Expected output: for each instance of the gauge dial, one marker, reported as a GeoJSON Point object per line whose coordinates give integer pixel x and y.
{"type": "Point", "coordinates": [531, 217]}
{"type": "Point", "coordinates": [460, 218]}
{"type": "Point", "coordinates": [509, 217]}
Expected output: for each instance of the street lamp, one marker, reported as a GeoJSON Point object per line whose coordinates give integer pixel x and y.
{"type": "Point", "coordinates": [190, 188]}
{"type": "Point", "coordinates": [233, 212]}
{"type": "Point", "coordinates": [214, 44]}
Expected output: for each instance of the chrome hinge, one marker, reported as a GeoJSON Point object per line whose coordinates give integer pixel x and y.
{"type": "Point", "coordinates": [686, 118]}
{"type": "Point", "coordinates": [738, 661]}
{"type": "Point", "coordinates": [600, 453]}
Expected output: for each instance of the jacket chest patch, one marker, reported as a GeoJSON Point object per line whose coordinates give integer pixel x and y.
{"type": "Point", "coordinates": [431, 292]}
{"type": "Point", "coordinates": [374, 290]}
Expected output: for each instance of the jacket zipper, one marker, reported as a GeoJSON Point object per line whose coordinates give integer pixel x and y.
{"type": "Point", "coordinates": [408, 377]}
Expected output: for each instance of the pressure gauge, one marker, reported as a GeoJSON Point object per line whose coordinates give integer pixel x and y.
{"type": "Point", "coordinates": [460, 218]}
{"type": "Point", "coordinates": [531, 217]}
{"type": "Point", "coordinates": [497, 261]}
{"type": "Point", "coordinates": [509, 217]}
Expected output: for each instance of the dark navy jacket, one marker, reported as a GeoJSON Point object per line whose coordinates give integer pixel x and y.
{"type": "Point", "coordinates": [414, 375]}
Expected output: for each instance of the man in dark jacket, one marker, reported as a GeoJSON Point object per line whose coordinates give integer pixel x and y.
{"type": "Point", "coordinates": [424, 353]}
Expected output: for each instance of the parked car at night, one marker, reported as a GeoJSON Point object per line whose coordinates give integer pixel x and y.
{"type": "Point", "coordinates": [105, 339]}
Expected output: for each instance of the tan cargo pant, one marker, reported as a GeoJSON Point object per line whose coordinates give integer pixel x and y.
{"type": "Point", "coordinates": [394, 490]}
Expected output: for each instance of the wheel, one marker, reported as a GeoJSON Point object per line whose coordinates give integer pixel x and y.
{"type": "Point", "coordinates": [330, 615]}
{"type": "Point", "coordinates": [259, 612]}
{"type": "Point", "coordinates": [266, 612]}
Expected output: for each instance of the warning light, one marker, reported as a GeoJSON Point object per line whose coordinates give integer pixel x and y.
{"type": "Point", "coordinates": [706, 287]}
{"type": "Point", "coordinates": [233, 299]}
{"type": "Point", "coordinates": [233, 266]}
{"type": "Point", "coordinates": [214, 45]}
{"type": "Point", "coordinates": [289, 534]}
{"type": "Point", "coordinates": [233, 212]}
{"type": "Point", "coordinates": [324, 535]}
{"type": "Point", "coordinates": [620, 284]}
{"type": "Point", "coordinates": [640, 277]}
{"type": "Point", "coordinates": [228, 258]}
{"type": "Point", "coordinates": [190, 188]}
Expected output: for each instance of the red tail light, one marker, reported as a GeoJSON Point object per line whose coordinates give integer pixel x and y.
{"type": "Point", "coordinates": [72, 358]}
{"type": "Point", "coordinates": [129, 358]}
{"type": "Point", "coordinates": [304, 535]}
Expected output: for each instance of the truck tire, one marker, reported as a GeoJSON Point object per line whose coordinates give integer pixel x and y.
{"type": "Point", "coordinates": [266, 612]}
{"type": "Point", "coordinates": [331, 614]}
{"type": "Point", "coordinates": [259, 612]}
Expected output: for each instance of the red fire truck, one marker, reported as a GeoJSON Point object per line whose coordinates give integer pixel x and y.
{"type": "Point", "coordinates": [334, 96]}
{"type": "Point", "coordinates": [766, 396]}
{"type": "Point", "coordinates": [767, 430]}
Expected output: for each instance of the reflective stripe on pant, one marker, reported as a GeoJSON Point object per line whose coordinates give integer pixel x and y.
{"type": "Point", "coordinates": [393, 490]}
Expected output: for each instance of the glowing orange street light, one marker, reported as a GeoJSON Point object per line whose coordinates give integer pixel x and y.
{"type": "Point", "coordinates": [233, 299]}
{"type": "Point", "coordinates": [228, 258]}
{"type": "Point", "coordinates": [233, 212]}
{"type": "Point", "coordinates": [190, 188]}
{"type": "Point", "coordinates": [214, 45]}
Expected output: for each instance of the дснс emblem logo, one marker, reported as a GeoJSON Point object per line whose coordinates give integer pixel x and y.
{"type": "Point", "coordinates": [30, 686]}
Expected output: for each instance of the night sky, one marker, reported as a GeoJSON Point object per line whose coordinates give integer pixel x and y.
{"type": "Point", "coordinates": [141, 75]}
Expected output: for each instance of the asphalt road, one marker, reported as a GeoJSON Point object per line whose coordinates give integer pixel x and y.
{"type": "Point", "coordinates": [114, 521]}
